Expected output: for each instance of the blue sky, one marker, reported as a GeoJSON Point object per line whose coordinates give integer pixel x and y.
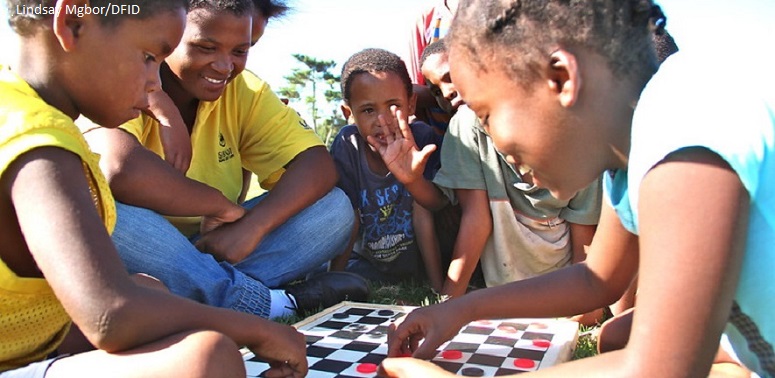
{"type": "Point", "coordinates": [335, 29]}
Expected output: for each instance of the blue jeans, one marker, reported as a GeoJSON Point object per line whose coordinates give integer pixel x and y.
{"type": "Point", "coordinates": [150, 244]}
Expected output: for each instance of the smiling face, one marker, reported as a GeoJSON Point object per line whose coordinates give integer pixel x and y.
{"type": "Point", "coordinates": [213, 51]}
{"type": "Point", "coordinates": [529, 126]}
{"type": "Point", "coordinates": [372, 95]}
{"type": "Point", "coordinates": [435, 69]}
{"type": "Point", "coordinates": [116, 66]}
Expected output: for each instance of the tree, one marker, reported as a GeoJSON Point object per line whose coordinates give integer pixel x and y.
{"type": "Point", "coordinates": [316, 87]}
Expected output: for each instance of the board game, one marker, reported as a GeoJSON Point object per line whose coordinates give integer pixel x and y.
{"type": "Point", "coordinates": [350, 340]}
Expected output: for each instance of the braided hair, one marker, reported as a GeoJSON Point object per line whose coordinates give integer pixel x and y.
{"type": "Point", "coordinates": [518, 35]}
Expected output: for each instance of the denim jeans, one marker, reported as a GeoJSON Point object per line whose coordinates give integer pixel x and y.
{"type": "Point", "coordinates": [150, 244]}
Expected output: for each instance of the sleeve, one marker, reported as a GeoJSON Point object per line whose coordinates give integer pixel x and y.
{"type": "Point", "coordinates": [461, 160]}
{"type": "Point", "coordinates": [272, 133]}
{"type": "Point", "coordinates": [343, 153]}
{"type": "Point", "coordinates": [584, 207]}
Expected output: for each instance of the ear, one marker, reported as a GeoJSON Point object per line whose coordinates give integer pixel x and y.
{"type": "Point", "coordinates": [564, 77]}
{"type": "Point", "coordinates": [347, 112]}
{"type": "Point", "coordinates": [412, 104]}
{"type": "Point", "coordinates": [67, 25]}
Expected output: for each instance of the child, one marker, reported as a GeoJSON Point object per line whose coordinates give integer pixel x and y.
{"type": "Point", "coordinates": [516, 229]}
{"type": "Point", "coordinates": [60, 271]}
{"type": "Point", "coordinates": [689, 171]}
{"type": "Point", "coordinates": [391, 233]}
{"type": "Point", "coordinates": [166, 220]}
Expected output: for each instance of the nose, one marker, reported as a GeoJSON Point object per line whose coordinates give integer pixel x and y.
{"type": "Point", "coordinates": [153, 80]}
{"type": "Point", "coordinates": [449, 91]}
{"type": "Point", "coordinates": [223, 65]}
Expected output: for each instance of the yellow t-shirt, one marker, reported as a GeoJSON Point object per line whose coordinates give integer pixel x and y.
{"type": "Point", "coordinates": [248, 126]}
{"type": "Point", "coordinates": [32, 321]}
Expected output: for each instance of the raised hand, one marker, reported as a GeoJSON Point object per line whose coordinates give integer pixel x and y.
{"type": "Point", "coordinates": [399, 150]}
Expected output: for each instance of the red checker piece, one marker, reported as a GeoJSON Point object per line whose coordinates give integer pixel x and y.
{"type": "Point", "coordinates": [507, 329]}
{"type": "Point", "coordinates": [524, 363]}
{"type": "Point", "coordinates": [366, 368]}
{"type": "Point", "coordinates": [542, 343]}
{"type": "Point", "coordinates": [451, 354]}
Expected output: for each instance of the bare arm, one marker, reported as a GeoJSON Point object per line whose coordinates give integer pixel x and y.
{"type": "Point", "coordinates": [573, 290]}
{"type": "Point", "coordinates": [475, 228]}
{"type": "Point", "coordinates": [307, 178]}
{"type": "Point", "coordinates": [692, 236]}
{"type": "Point", "coordinates": [174, 134]}
{"type": "Point", "coordinates": [74, 252]}
{"type": "Point", "coordinates": [139, 177]}
{"type": "Point", "coordinates": [581, 237]}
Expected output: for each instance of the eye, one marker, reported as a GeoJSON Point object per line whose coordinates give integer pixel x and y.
{"type": "Point", "coordinates": [368, 110]}
{"type": "Point", "coordinates": [240, 52]}
{"type": "Point", "coordinates": [205, 49]}
{"type": "Point", "coordinates": [149, 58]}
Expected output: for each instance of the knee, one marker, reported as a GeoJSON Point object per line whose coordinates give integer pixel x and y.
{"type": "Point", "coordinates": [212, 354]}
{"type": "Point", "coordinates": [338, 207]}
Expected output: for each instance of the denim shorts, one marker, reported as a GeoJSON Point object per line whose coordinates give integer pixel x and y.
{"type": "Point", "coordinates": [33, 370]}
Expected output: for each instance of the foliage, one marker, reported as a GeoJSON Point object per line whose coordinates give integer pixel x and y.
{"type": "Point", "coordinates": [318, 89]}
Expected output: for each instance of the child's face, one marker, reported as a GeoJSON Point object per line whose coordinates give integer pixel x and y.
{"type": "Point", "coordinates": [435, 69]}
{"type": "Point", "coordinates": [529, 127]}
{"type": "Point", "coordinates": [116, 66]}
{"type": "Point", "coordinates": [213, 51]}
{"type": "Point", "coordinates": [372, 95]}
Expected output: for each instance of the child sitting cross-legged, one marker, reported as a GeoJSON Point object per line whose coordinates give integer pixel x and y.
{"type": "Point", "coordinates": [394, 232]}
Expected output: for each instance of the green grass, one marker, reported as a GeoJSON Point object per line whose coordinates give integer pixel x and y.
{"type": "Point", "coordinates": [420, 294]}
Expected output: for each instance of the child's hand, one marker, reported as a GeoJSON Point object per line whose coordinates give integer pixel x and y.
{"type": "Point", "coordinates": [230, 214]}
{"type": "Point", "coordinates": [399, 151]}
{"type": "Point", "coordinates": [410, 367]}
{"type": "Point", "coordinates": [285, 351]}
{"type": "Point", "coordinates": [436, 324]}
{"type": "Point", "coordinates": [173, 132]}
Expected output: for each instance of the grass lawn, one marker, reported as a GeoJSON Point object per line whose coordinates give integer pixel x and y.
{"type": "Point", "coordinates": [420, 294]}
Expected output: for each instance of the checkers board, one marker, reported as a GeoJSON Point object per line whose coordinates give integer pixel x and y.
{"type": "Point", "coordinates": [350, 340]}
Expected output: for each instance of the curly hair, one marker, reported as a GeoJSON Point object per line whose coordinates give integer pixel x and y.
{"type": "Point", "coordinates": [518, 35]}
{"type": "Point", "coordinates": [24, 22]}
{"type": "Point", "coordinates": [271, 8]}
{"type": "Point", "coordinates": [373, 61]}
{"type": "Point", "coordinates": [438, 47]}
{"type": "Point", "coordinates": [237, 7]}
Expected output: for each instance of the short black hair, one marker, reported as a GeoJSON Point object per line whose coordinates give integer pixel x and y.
{"type": "Point", "coordinates": [373, 61]}
{"type": "Point", "coordinates": [24, 22]}
{"type": "Point", "coordinates": [517, 35]}
{"type": "Point", "coordinates": [236, 7]}
{"type": "Point", "coordinates": [271, 8]}
{"type": "Point", "coordinates": [438, 47]}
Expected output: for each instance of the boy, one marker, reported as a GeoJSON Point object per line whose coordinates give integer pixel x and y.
{"type": "Point", "coordinates": [516, 229]}
{"type": "Point", "coordinates": [392, 235]}
{"type": "Point", "coordinates": [59, 266]}
{"type": "Point", "coordinates": [689, 179]}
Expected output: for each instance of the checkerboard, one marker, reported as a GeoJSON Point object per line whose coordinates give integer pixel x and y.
{"type": "Point", "coordinates": [348, 339]}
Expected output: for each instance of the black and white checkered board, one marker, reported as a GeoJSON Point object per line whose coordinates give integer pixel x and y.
{"type": "Point", "coordinates": [350, 334]}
